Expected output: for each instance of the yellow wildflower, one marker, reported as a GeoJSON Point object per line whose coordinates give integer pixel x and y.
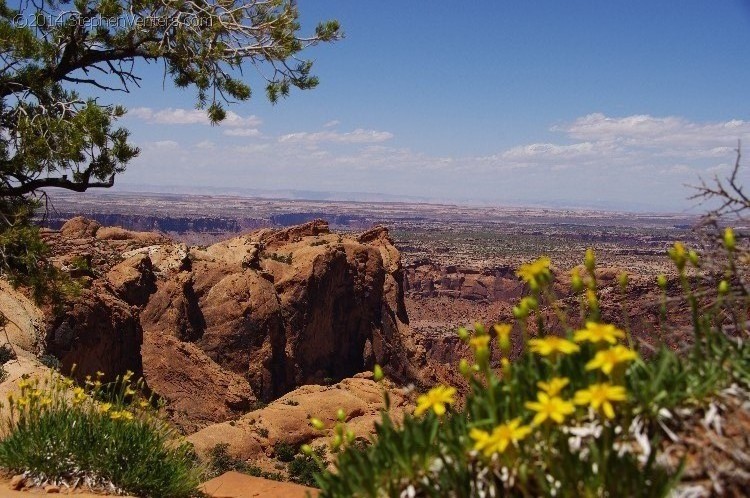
{"type": "Point", "coordinates": [592, 298]}
{"type": "Point", "coordinates": [105, 407]}
{"type": "Point", "coordinates": [622, 279]}
{"type": "Point", "coordinates": [554, 386]}
{"type": "Point", "coordinates": [129, 391]}
{"type": "Point", "coordinates": [576, 282]}
{"type": "Point", "coordinates": [553, 344]}
{"type": "Point", "coordinates": [589, 260]}
{"type": "Point", "coordinates": [505, 365]}
{"type": "Point", "coordinates": [678, 254]}
{"type": "Point", "coordinates": [78, 395]}
{"type": "Point", "coordinates": [729, 240]}
{"type": "Point", "coordinates": [22, 401]}
{"type": "Point", "coordinates": [479, 342]}
{"type": "Point", "coordinates": [45, 400]}
{"type": "Point", "coordinates": [126, 415]}
{"type": "Point", "coordinates": [143, 403]}
{"type": "Point", "coordinates": [723, 287]}
{"type": "Point", "coordinates": [609, 358]}
{"type": "Point", "coordinates": [377, 373]}
{"type": "Point", "coordinates": [502, 436]}
{"type": "Point", "coordinates": [599, 332]}
{"type": "Point", "coordinates": [549, 408]}
{"type": "Point", "coordinates": [531, 272]}
{"type": "Point", "coordinates": [600, 397]}
{"type": "Point", "coordinates": [661, 281]}
{"type": "Point", "coordinates": [436, 399]}
{"type": "Point", "coordinates": [503, 335]}
{"type": "Point", "coordinates": [115, 415]}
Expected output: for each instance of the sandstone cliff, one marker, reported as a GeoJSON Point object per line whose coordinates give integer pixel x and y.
{"type": "Point", "coordinates": [213, 329]}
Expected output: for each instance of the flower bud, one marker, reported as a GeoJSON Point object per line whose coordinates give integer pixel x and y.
{"type": "Point", "coordinates": [529, 303]}
{"type": "Point", "coordinates": [479, 328]}
{"type": "Point", "coordinates": [336, 443]}
{"type": "Point", "coordinates": [592, 298]}
{"type": "Point", "coordinates": [623, 280]}
{"type": "Point", "coordinates": [463, 334]}
{"type": "Point", "coordinates": [678, 254]}
{"type": "Point", "coordinates": [464, 368]}
{"type": "Point", "coordinates": [483, 357]}
{"type": "Point", "coordinates": [534, 285]}
{"type": "Point", "coordinates": [723, 288]}
{"type": "Point", "coordinates": [520, 313]}
{"type": "Point", "coordinates": [694, 258]}
{"type": "Point", "coordinates": [729, 241]}
{"type": "Point", "coordinates": [661, 281]}
{"type": "Point", "coordinates": [590, 260]}
{"type": "Point", "coordinates": [377, 373]}
{"type": "Point", "coordinates": [505, 365]}
{"type": "Point", "coordinates": [350, 436]}
{"type": "Point", "coordinates": [575, 280]}
{"type": "Point", "coordinates": [317, 424]}
{"type": "Point", "coordinates": [341, 415]}
{"type": "Point", "coordinates": [306, 449]}
{"type": "Point", "coordinates": [503, 335]}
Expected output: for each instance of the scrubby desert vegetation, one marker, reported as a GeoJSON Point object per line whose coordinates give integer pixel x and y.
{"type": "Point", "coordinates": [582, 411]}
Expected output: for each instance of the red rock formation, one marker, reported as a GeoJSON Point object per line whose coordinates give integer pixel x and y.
{"type": "Point", "coordinates": [254, 316]}
{"type": "Point", "coordinates": [427, 279]}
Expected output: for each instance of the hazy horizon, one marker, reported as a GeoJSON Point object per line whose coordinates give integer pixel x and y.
{"type": "Point", "coordinates": [577, 103]}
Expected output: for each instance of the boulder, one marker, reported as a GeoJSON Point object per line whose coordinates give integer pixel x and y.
{"type": "Point", "coordinates": [133, 279]}
{"type": "Point", "coordinates": [199, 392]}
{"type": "Point", "coordinates": [253, 436]}
{"type": "Point", "coordinates": [79, 228]}
{"type": "Point", "coordinates": [97, 331]}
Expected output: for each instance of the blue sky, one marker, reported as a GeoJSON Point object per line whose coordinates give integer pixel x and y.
{"type": "Point", "coordinates": [579, 103]}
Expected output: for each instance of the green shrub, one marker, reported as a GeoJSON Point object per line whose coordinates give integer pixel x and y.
{"type": "Point", "coordinates": [281, 258]}
{"type": "Point", "coordinates": [302, 468]}
{"type": "Point", "coordinates": [24, 257]}
{"type": "Point", "coordinates": [220, 461]}
{"type": "Point", "coordinates": [60, 433]}
{"type": "Point", "coordinates": [257, 405]}
{"type": "Point", "coordinates": [284, 451]}
{"type": "Point", "coordinates": [6, 354]}
{"type": "Point", "coordinates": [50, 361]}
{"type": "Point", "coordinates": [580, 413]}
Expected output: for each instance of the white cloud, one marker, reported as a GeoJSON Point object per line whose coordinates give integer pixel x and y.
{"type": "Point", "coordinates": [643, 130]}
{"type": "Point", "coordinates": [178, 116]}
{"type": "Point", "coordinates": [332, 123]}
{"type": "Point", "coordinates": [242, 132]}
{"type": "Point", "coordinates": [163, 145]}
{"type": "Point", "coordinates": [358, 136]}
{"type": "Point", "coordinates": [549, 150]}
{"type": "Point", "coordinates": [250, 149]}
{"type": "Point", "coordinates": [205, 144]}
{"type": "Point", "coordinates": [633, 159]}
